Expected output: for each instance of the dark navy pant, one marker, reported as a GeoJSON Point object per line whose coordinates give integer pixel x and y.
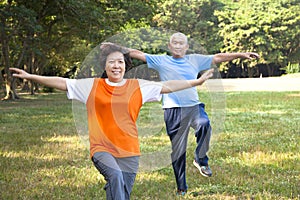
{"type": "Point", "coordinates": [178, 122]}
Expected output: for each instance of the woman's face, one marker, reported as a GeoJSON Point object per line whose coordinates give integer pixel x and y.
{"type": "Point", "coordinates": [115, 66]}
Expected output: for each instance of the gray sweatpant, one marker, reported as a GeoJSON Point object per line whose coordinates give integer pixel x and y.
{"type": "Point", "coordinates": [119, 174]}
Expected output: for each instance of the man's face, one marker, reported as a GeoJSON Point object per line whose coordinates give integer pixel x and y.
{"type": "Point", "coordinates": [115, 66]}
{"type": "Point", "coordinates": [178, 46]}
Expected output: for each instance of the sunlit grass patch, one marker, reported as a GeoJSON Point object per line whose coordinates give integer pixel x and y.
{"type": "Point", "coordinates": [154, 143]}
{"type": "Point", "coordinates": [269, 158]}
{"type": "Point", "coordinates": [255, 156]}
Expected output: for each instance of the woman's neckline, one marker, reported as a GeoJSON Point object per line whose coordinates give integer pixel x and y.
{"type": "Point", "coordinates": [121, 83]}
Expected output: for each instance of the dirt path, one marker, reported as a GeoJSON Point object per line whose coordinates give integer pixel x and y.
{"type": "Point", "coordinates": [253, 84]}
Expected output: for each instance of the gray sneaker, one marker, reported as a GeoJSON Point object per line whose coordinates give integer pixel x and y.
{"type": "Point", "coordinates": [204, 170]}
{"type": "Point", "coordinates": [181, 193]}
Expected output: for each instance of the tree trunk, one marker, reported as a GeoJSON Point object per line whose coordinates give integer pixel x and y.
{"type": "Point", "coordinates": [2, 88]}
{"type": "Point", "coordinates": [5, 52]}
{"type": "Point", "coordinates": [270, 70]}
{"type": "Point", "coordinates": [7, 78]}
{"type": "Point", "coordinates": [32, 71]}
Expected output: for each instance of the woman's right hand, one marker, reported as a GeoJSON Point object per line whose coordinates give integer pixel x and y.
{"type": "Point", "coordinates": [207, 74]}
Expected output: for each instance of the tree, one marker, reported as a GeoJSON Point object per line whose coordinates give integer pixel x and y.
{"type": "Point", "coordinates": [37, 34]}
{"type": "Point", "coordinates": [271, 28]}
{"type": "Point", "coordinates": [52, 37]}
{"type": "Point", "coordinates": [193, 17]}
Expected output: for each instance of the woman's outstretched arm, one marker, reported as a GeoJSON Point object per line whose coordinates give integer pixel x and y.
{"type": "Point", "coordinates": [175, 85]}
{"type": "Point", "coordinates": [49, 81]}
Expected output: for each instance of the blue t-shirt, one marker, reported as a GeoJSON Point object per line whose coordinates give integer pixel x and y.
{"type": "Point", "coordinates": [186, 68]}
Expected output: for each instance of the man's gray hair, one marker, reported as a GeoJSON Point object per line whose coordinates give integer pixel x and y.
{"type": "Point", "coordinates": [180, 35]}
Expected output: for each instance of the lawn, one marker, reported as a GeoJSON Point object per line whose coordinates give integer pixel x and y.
{"type": "Point", "coordinates": [254, 153]}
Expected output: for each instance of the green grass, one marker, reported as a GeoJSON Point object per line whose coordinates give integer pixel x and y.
{"type": "Point", "coordinates": [256, 155]}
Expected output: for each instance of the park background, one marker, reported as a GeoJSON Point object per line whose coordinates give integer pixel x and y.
{"type": "Point", "coordinates": [254, 156]}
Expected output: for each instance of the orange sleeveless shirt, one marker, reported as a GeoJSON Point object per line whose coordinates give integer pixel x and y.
{"type": "Point", "coordinates": [112, 114]}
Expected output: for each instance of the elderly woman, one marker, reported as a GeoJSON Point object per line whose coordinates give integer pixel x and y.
{"type": "Point", "coordinates": [113, 105]}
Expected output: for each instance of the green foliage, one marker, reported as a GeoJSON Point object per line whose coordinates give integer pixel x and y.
{"type": "Point", "coordinates": [292, 68]}
{"type": "Point", "coordinates": [44, 35]}
{"type": "Point", "coordinates": [255, 157]}
{"type": "Point", "coordinates": [271, 28]}
{"type": "Point", "coordinates": [194, 18]}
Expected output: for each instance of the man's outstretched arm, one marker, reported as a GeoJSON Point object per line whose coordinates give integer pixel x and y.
{"type": "Point", "coordinates": [224, 57]}
{"type": "Point", "coordinates": [137, 54]}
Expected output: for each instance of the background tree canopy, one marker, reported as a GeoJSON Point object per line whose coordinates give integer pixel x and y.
{"type": "Point", "coordinates": [53, 37]}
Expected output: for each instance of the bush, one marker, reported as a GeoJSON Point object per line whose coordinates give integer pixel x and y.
{"type": "Point", "coordinates": [292, 68]}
